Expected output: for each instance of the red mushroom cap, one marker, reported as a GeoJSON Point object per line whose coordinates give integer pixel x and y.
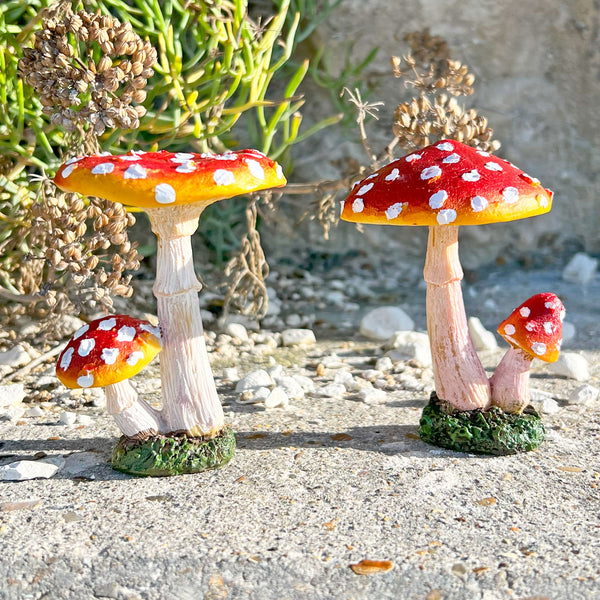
{"type": "Point", "coordinates": [536, 327]}
{"type": "Point", "coordinates": [155, 179]}
{"type": "Point", "coordinates": [107, 350]}
{"type": "Point", "coordinates": [447, 183]}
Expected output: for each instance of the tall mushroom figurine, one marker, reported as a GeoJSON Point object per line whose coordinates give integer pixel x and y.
{"type": "Point", "coordinates": [443, 186]}
{"type": "Point", "coordinates": [534, 330]}
{"type": "Point", "coordinates": [174, 189]}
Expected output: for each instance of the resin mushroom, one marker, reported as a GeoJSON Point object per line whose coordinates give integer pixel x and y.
{"type": "Point", "coordinates": [106, 353]}
{"type": "Point", "coordinates": [534, 330]}
{"type": "Point", "coordinates": [443, 186]}
{"type": "Point", "coordinates": [174, 189]}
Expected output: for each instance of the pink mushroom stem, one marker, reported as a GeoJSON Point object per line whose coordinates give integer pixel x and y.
{"type": "Point", "coordinates": [510, 381]}
{"type": "Point", "coordinates": [460, 378]}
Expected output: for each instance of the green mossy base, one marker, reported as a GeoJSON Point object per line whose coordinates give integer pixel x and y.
{"type": "Point", "coordinates": [482, 432]}
{"type": "Point", "coordinates": [164, 455]}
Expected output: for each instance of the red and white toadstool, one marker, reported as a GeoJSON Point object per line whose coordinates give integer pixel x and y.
{"type": "Point", "coordinates": [106, 353]}
{"type": "Point", "coordinates": [174, 189]}
{"type": "Point", "coordinates": [443, 186]}
{"type": "Point", "coordinates": [534, 330]}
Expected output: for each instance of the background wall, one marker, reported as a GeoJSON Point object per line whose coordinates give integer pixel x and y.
{"type": "Point", "coordinates": [537, 68]}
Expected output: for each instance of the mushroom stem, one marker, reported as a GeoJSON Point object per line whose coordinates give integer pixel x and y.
{"type": "Point", "coordinates": [510, 381]}
{"type": "Point", "coordinates": [190, 400]}
{"type": "Point", "coordinates": [460, 378]}
{"type": "Point", "coordinates": [133, 415]}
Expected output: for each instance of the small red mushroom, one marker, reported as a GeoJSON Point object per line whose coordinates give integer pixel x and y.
{"type": "Point", "coordinates": [443, 186]}
{"type": "Point", "coordinates": [534, 330]}
{"type": "Point", "coordinates": [106, 353]}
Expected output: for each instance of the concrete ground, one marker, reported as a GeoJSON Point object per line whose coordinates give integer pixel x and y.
{"type": "Point", "coordinates": [315, 488]}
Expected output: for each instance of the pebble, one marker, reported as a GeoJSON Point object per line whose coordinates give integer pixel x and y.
{"type": "Point", "coordinates": [13, 393]}
{"type": "Point", "coordinates": [84, 420]}
{"type": "Point", "coordinates": [483, 339]}
{"type": "Point", "coordinates": [549, 406]}
{"type": "Point", "coordinates": [372, 374]}
{"type": "Point", "coordinates": [255, 379]}
{"type": "Point", "coordinates": [231, 374]}
{"type": "Point", "coordinates": [34, 411]}
{"type": "Point", "coordinates": [275, 371]}
{"type": "Point", "coordinates": [584, 394]}
{"type": "Point", "coordinates": [12, 413]}
{"type": "Point", "coordinates": [409, 345]}
{"type": "Point", "coordinates": [67, 418]}
{"type": "Point", "coordinates": [298, 337]}
{"type": "Point", "coordinates": [306, 383]}
{"type": "Point", "coordinates": [23, 470]}
{"type": "Point", "coordinates": [290, 386]}
{"type": "Point", "coordinates": [571, 365]}
{"type": "Point", "coordinates": [237, 331]}
{"type": "Point", "coordinates": [80, 463]}
{"type": "Point", "coordinates": [277, 397]}
{"type": "Point", "coordinates": [384, 364]}
{"type": "Point", "coordinates": [580, 269]}
{"type": "Point", "coordinates": [332, 390]}
{"type": "Point", "coordinates": [372, 396]}
{"type": "Point", "coordinates": [293, 320]}
{"type": "Point", "coordinates": [382, 322]}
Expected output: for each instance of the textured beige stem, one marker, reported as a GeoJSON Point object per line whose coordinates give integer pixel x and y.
{"type": "Point", "coordinates": [190, 401]}
{"type": "Point", "coordinates": [460, 378]}
{"type": "Point", "coordinates": [132, 415]}
{"type": "Point", "coordinates": [510, 381]}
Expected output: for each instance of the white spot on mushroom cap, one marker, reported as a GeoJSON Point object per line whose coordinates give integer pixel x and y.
{"type": "Point", "coordinates": [227, 156]}
{"type": "Point", "coordinates": [86, 346]}
{"type": "Point", "coordinates": [107, 324]}
{"type": "Point", "coordinates": [529, 326]}
{"type": "Point", "coordinates": [342, 205]}
{"type": "Point", "coordinates": [85, 381]}
{"type": "Point", "coordinates": [164, 193]}
{"type": "Point", "coordinates": [451, 159]}
{"type": "Point", "coordinates": [446, 146]}
{"type": "Point", "coordinates": [493, 166]}
{"type": "Point", "coordinates": [223, 177]}
{"type": "Point", "coordinates": [109, 355]}
{"type": "Point", "coordinates": [509, 329]}
{"type": "Point", "coordinates": [65, 359]}
{"type": "Point", "coordinates": [412, 157]}
{"type": "Point", "coordinates": [562, 314]}
{"type": "Point", "coordinates": [372, 176]}
{"type": "Point", "coordinates": [134, 358]}
{"type": "Point", "coordinates": [186, 167]}
{"type": "Point", "coordinates": [539, 348]}
{"type": "Point", "coordinates": [182, 157]}
{"type": "Point", "coordinates": [437, 200]}
{"type": "Point", "coordinates": [542, 200]}
{"type": "Point", "coordinates": [364, 189]}
{"type": "Point", "coordinates": [126, 334]}
{"type": "Point", "coordinates": [550, 305]}
{"type": "Point", "coordinates": [393, 211]}
{"type": "Point", "coordinates": [131, 157]}
{"type": "Point", "coordinates": [67, 170]}
{"type": "Point", "coordinates": [103, 169]}
{"type": "Point", "coordinates": [479, 203]}
{"type": "Point", "coordinates": [358, 205]}
{"type": "Point", "coordinates": [80, 331]}
{"type": "Point", "coordinates": [155, 331]}
{"type": "Point", "coordinates": [279, 171]}
{"type": "Point", "coordinates": [548, 327]}
{"type": "Point", "coordinates": [524, 311]}
{"type": "Point", "coordinates": [472, 175]}
{"type": "Point", "coordinates": [255, 169]}
{"type": "Point", "coordinates": [446, 216]}
{"type": "Point", "coordinates": [431, 172]}
{"type": "Point", "coordinates": [73, 160]}
{"type": "Point", "coordinates": [483, 153]}
{"type": "Point", "coordinates": [530, 179]}
{"type": "Point", "coordinates": [510, 194]}
{"type": "Point", "coordinates": [135, 172]}
{"type": "Point", "coordinates": [392, 175]}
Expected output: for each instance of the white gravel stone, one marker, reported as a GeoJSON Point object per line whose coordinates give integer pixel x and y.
{"type": "Point", "coordinates": [584, 394]}
{"type": "Point", "coordinates": [23, 470]}
{"type": "Point", "coordinates": [332, 390]}
{"type": "Point", "coordinates": [81, 463]}
{"type": "Point", "coordinates": [549, 406]}
{"type": "Point", "coordinates": [84, 420]}
{"type": "Point", "coordinates": [306, 383]}
{"type": "Point", "coordinates": [275, 371]}
{"type": "Point", "coordinates": [10, 394]}
{"type": "Point", "coordinates": [67, 418]}
{"type": "Point", "coordinates": [483, 339]}
{"type": "Point", "coordinates": [12, 412]}
{"type": "Point", "coordinates": [372, 374]}
{"type": "Point", "coordinates": [333, 361]}
{"type": "Point", "coordinates": [276, 398]}
{"type": "Point", "coordinates": [537, 395]}
{"type": "Point", "coordinates": [571, 365]}
{"type": "Point", "coordinates": [409, 345]}
{"type": "Point", "coordinates": [255, 379]}
{"type": "Point", "coordinates": [384, 364]}
{"type": "Point", "coordinates": [298, 337]}
{"type": "Point", "coordinates": [237, 331]}
{"type": "Point", "coordinates": [290, 386]}
{"type": "Point", "coordinates": [33, 412]}
{"type": "Point", "coordinates": [382, 322]}
{"type": "Point", "coordinates": [580, 269]}
{"type": "Point", "coordinates": [231, 374]}
{"type": "Point", "coordinates": [15, 357]}
{"type": "Point", "coordinates": [372, 396]}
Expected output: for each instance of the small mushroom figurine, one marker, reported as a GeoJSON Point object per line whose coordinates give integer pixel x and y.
{"type": "Point", "coordinates": [534, 330]}
{"type": "Point", "coordinates": [106, 353]}
{"type": "Point", "coordinates": [174, 189]}
{"type": "Point", "coordinates": [443, 186]}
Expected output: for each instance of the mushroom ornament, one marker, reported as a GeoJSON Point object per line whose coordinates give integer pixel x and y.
{"type": "Point", "coordinates": [174, 189]}
{"type": "Point", "coordinates": [443, 186]}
